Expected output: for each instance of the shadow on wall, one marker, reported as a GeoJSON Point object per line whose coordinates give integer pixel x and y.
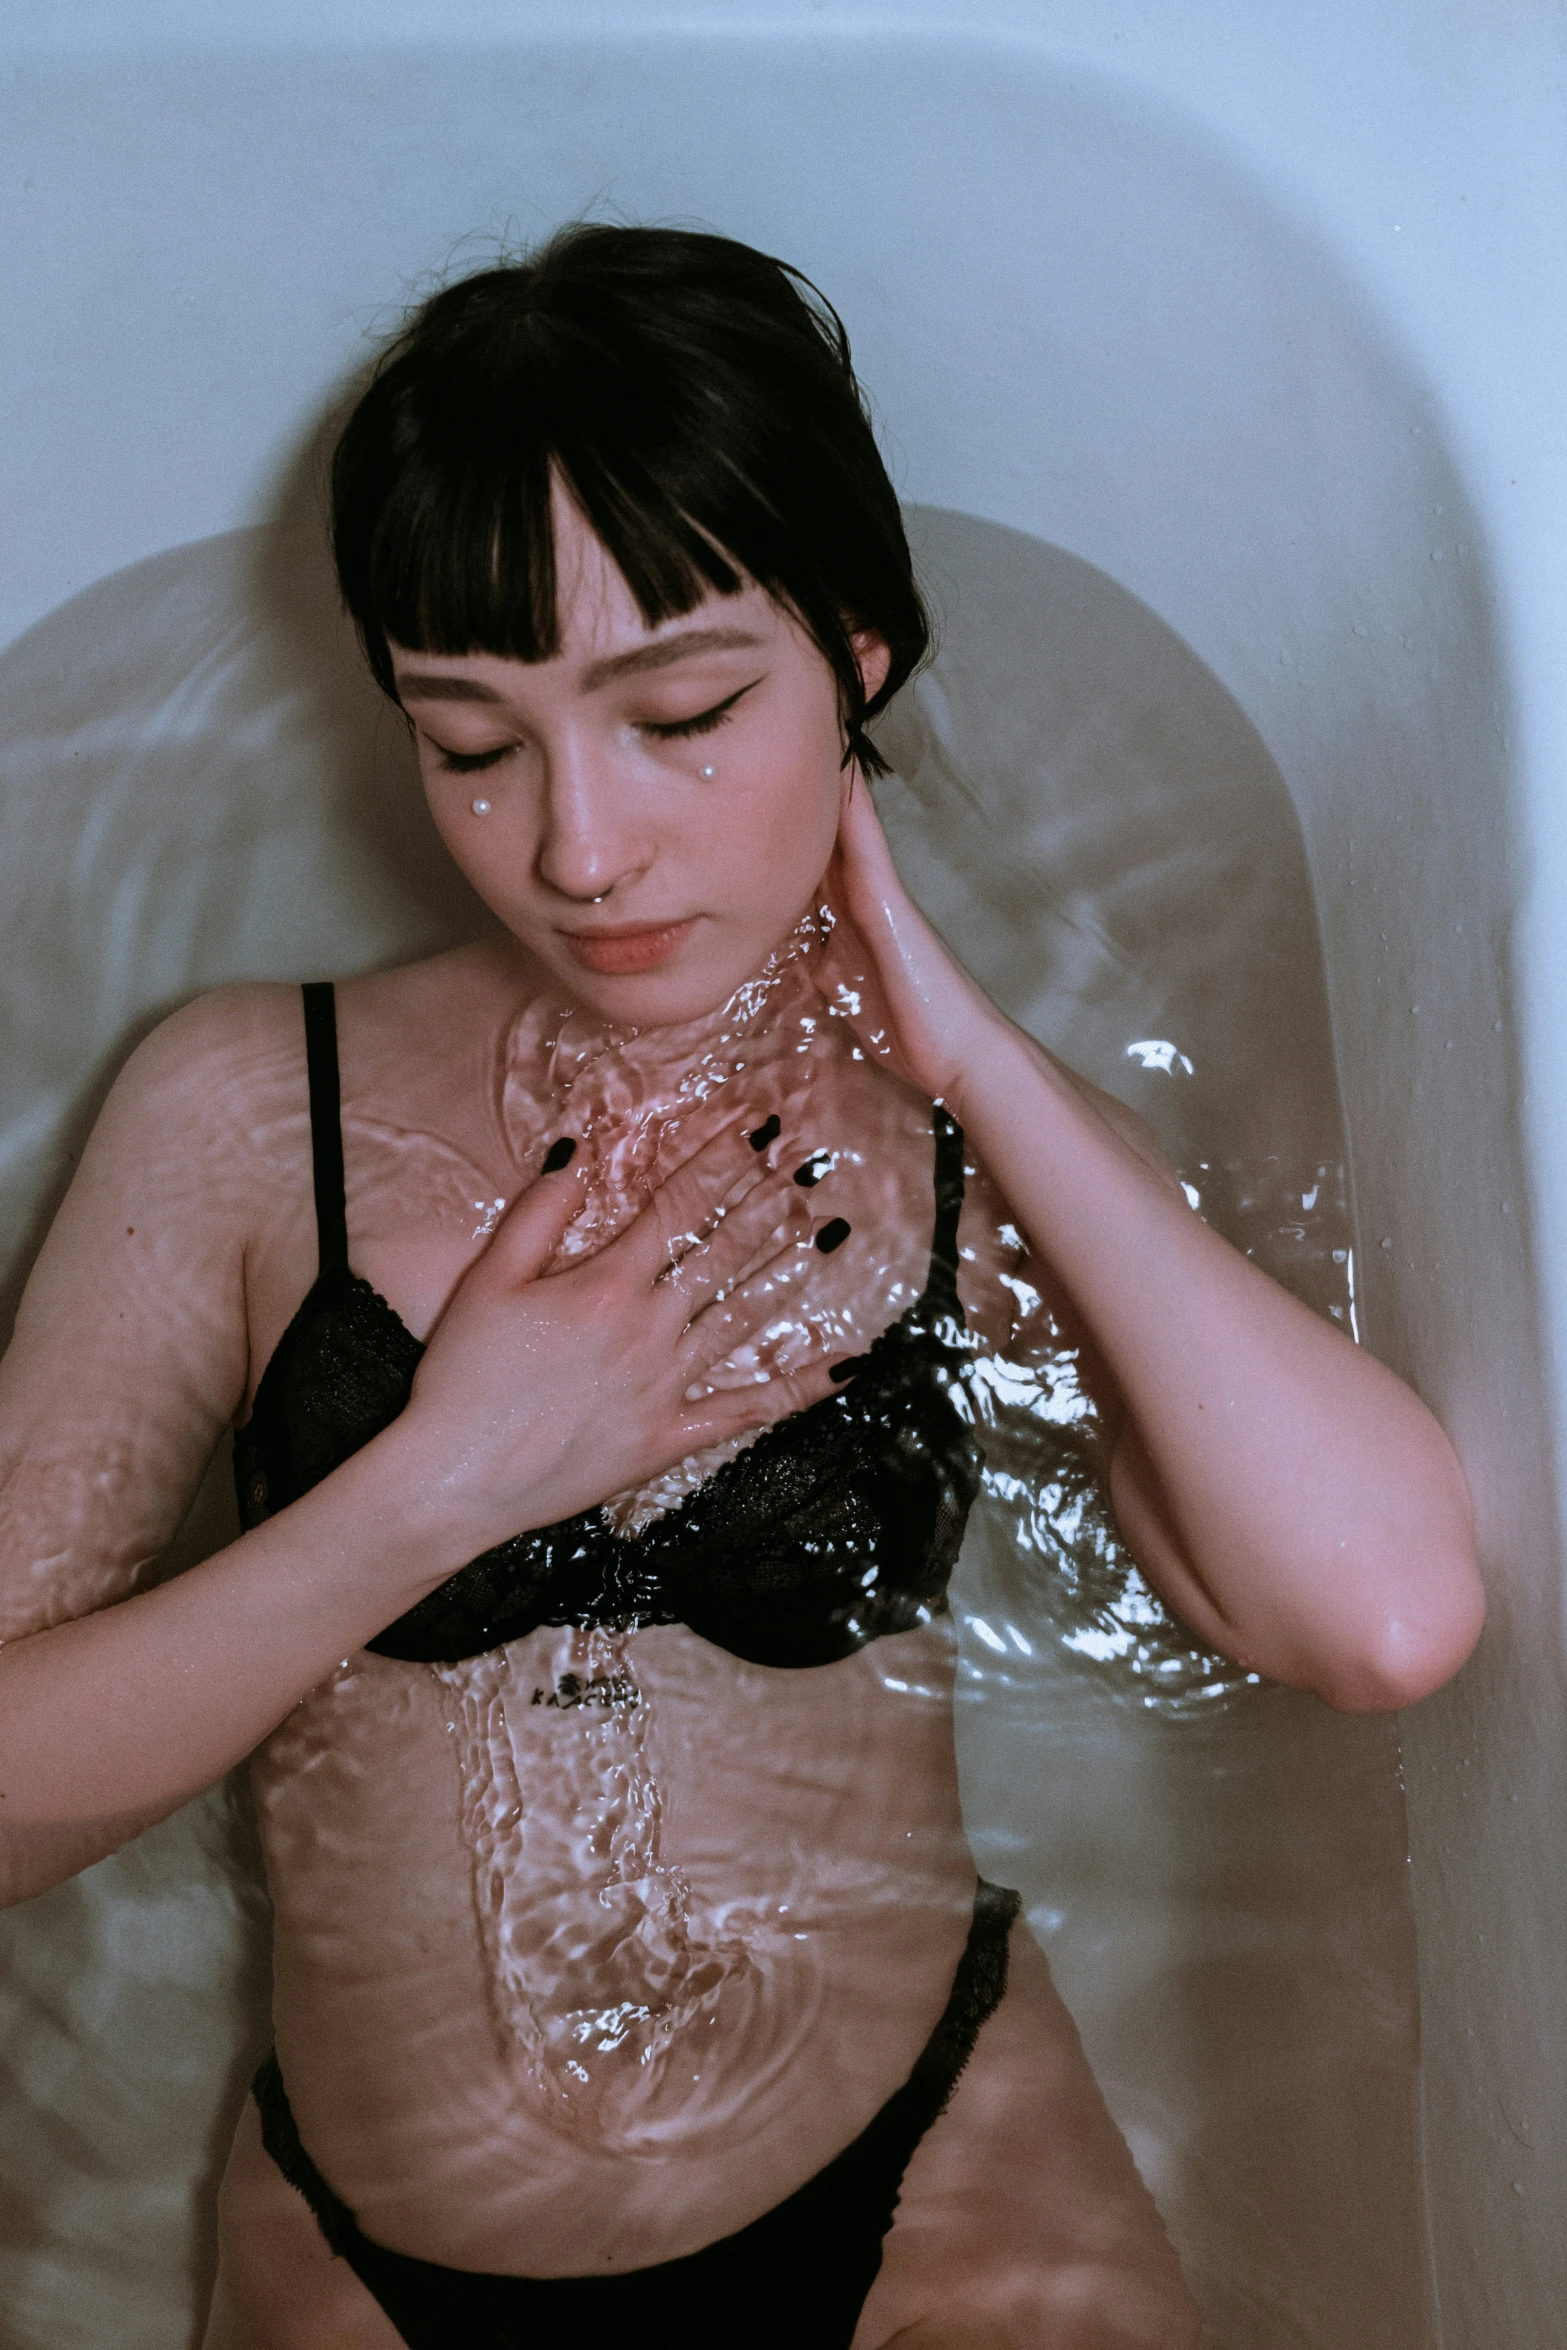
{"type": "Point", "coordinates": [201, 786]}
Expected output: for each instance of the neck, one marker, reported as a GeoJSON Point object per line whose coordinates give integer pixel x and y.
{"type": "Point", "coordinates": [679, 1052]}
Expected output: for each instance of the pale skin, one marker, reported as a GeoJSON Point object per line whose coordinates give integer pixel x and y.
{"type": "Point", "coordinates": [1294, 1502]}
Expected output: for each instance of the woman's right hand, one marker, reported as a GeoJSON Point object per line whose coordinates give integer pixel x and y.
{"type": "Point", "coordinates": [542, 1393]}
{"type": "Point", "coordinates": [539, 1395]}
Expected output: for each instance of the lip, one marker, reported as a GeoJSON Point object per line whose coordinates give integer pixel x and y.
{"type": "Point", "coordinates": [628, 946]}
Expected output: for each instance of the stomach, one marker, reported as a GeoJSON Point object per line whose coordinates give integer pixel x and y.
{"type": "Point", "coordinates": [591, 1949]}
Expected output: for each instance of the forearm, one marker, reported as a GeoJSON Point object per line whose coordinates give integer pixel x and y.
{"type": "Point", "coordinates": [113, 1719]}
{"type": "Point", "coordinates": [1292, 1497]}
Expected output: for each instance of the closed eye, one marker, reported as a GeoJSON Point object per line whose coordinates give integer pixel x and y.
{"type": "Point", "coordinates": [681, 729]}
{"type": "Point", "coordinates": [468, 762]}
{"type": "Point", "coordinates": [661, 730]}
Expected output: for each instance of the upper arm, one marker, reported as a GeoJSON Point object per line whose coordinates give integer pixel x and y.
{"type": "Point", "coordinates": [130, 1353]}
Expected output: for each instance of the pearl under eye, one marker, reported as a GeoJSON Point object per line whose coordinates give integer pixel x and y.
{"type": "Point", "coordinates": [480, 807]}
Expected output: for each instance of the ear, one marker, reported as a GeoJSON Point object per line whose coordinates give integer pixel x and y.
{"type": "Point", "coordinates": [874, 656]}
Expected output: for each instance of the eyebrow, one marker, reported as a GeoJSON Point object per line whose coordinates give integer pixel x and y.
{"type": "Point", "coordinates": [429, 685]}
{"type": "Point", "coordinates": [666, 651]}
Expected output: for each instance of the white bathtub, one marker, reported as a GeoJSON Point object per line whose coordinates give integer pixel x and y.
{"type": "Point", "coordinates": [1249, 307]}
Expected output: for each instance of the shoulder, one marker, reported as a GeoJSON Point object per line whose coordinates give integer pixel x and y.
{"type": "Point", "coordinates": [139, 1288]}
{"type": "Point", "coordinates": [192, 1119]}
{"type": "Point", "coordinates": [233, 1036]}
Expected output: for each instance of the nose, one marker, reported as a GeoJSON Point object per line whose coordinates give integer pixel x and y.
{"type": "Point", "coordinates": [593, 837]}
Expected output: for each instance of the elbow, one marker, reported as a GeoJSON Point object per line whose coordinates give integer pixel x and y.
{"type": "Point", "coordinates": [1406, 1656]}
{"type": "Point", "coordinates": [1424, 1601]}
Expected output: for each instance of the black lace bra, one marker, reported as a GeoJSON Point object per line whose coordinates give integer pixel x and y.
{"type": "Point", "coordinates": [836, 1525]}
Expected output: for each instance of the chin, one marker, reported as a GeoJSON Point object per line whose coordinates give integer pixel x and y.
{"type": "Point", "coordinates": [652, 999]}
{"type": "Point", "coordinates": [685, 988]}
{"type": "Point", "coordinates": [661, 998]}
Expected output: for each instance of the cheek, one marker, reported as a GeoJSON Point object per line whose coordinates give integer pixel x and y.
{"type": "Point", "coordinates": [783, 838]}
{"type": "Point", "coordinates": [459, 828]}
{"type": "Point", "coordinates": [787, 819]}
{"type": "Point", "coordinates": [486, 850]}
{"type": "Point", "coordinates": [802, 809]}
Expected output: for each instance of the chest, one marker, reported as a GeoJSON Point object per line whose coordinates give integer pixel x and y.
{"type": "Point", "coordinates": [430, 1171]}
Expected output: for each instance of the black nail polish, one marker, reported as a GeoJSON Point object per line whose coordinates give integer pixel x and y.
{"type": "Point", "coordinates": [559, 1155]}
{"type": "Point", "coordinates": [767, 1132]}
{"type": "Point", "coordinates": [849, 1368]}
{"type": "Point", "coordinates": [832, 1236]}
{"type": "Point", "coordinates": [815, 1167]}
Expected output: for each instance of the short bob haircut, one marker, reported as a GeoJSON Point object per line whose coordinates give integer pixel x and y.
{"type": "Point", "coordinates": [697, 400]}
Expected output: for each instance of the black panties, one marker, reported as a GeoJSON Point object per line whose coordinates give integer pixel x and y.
{"type": "Point", "coordinates": [795, 2279]}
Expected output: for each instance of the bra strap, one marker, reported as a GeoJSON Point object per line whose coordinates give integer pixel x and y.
{"type": "Point", "coordinates": [941, 1288]}
{"type": "Point", "coordinates": [326, 1129]}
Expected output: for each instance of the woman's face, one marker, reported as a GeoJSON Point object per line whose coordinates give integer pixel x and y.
{"type": "Point", "coordinates": [651, 811]}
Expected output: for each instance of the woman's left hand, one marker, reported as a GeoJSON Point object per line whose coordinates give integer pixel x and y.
{"type": "Point", "coordinates": [1294, 1502]}
{"type": "Point", "coordinates": [910, 1000]}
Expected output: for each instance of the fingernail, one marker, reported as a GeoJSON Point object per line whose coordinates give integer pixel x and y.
{"type": "Point", "coordinates": [832, 1236]}
{"type": "Point", "coordinates": [847, 1369]}
{"type": "Point", "coordinates": [767, 1132]}
{"type": "Point", "coordinates": [815, 1167]}
{"type": "Point", "coordinates": [559, 1155]}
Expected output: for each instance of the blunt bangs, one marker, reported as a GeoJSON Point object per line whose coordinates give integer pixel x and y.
{"type": "Point", "coordinates": [694, 397]}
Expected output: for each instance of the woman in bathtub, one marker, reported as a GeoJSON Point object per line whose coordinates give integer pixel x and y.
{"type": "Point", "coordinates": [595, 1304]}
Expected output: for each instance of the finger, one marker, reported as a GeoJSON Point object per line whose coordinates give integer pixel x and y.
{"type": "Point", "coordinates": [690, 1206]}
{"type": "Point", "coordinates": [735, 1411]}
{"type": "Point", "coordinates": [684, 1203]}
{"type": "Point", "coordinates": [534, 1226]}
{"type": "Point", "coordinates": [770, 1218]}
{"type": "Point", "coordinates": [862, 842]}
{"type": "Point", "coordinates": [746, 1313]}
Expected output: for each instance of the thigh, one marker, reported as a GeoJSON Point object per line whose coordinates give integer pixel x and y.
{"type": "Point", "coordinates": [279, 2285]}
{"type": "Point", "coordinates": [1023, 2224]}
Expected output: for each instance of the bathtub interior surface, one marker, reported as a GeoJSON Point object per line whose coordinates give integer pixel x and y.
{"type": "Point", "coordinates": [1081, 314]}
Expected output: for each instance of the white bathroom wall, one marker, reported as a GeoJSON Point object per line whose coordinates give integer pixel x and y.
{"type": "Point", "coordinates": [1259, 309]}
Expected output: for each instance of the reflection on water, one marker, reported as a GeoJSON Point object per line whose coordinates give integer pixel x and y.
{"type": "Point", "coordinates": [573, 1888]}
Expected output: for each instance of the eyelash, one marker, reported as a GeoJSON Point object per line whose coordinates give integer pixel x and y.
{"type": "Point", "coordinates": [681, 729]}
{"type": "Point", "coordinates": [469, 762]}
{"type": "Point", "coordinates": [676, 730]}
